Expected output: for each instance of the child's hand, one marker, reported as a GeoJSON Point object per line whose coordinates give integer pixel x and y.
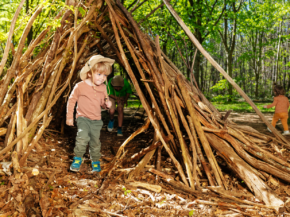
{"type": "Point", "coordinates": [264, 106]}
{"type": "Point", "coordinates": [108, 103]}
{"type": "Point", "coordinates": [70, 122]}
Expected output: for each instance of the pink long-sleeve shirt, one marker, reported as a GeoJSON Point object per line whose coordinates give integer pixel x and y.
{"type": "Point", "coordinates": [89, 101]}
{"type": "Point", "coordinates": [281, 104]}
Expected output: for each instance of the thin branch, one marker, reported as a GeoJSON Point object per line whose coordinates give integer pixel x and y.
{"type": "Point", "coordinates": [137, 6]}
{"type": "Point", "coordinates": [152, 12]}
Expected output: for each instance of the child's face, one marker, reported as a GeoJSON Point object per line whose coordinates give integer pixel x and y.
{"type": "Point", "coordinates": [99, 78]}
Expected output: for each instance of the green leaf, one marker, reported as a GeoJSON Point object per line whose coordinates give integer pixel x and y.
{"type": "Point", "coordinates": [162, 201]}
{"type": "Point", "coordinates": [82, 11]}
{"type": "Point", "coordinates": [191, 212]}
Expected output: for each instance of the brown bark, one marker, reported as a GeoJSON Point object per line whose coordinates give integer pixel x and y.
{"type": "Point", "coordinates": [217, 172]}
{"type": "Point", "coordinates": [34, 141]}
{"type": "Point", "coordinates": [255, 184]}
{"type": "Point", "coordinates": [142, 98]}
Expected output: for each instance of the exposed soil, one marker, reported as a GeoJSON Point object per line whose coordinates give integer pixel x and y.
{"type": "Point", "coordinates": [253, 120]}
{"type": "Point", "coordinates": [56, 191]}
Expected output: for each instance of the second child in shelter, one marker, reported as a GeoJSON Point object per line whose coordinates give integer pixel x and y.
{"type": "Point", "coordinates": [90, 95]}
{"type": "Point", "coordinates": [281, 104]}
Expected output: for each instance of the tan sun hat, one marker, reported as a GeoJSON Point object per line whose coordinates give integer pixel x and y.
{"type": "Point", "coordinates": [92, 61]}
{"type": "Point", "coordinates": [117, 81]}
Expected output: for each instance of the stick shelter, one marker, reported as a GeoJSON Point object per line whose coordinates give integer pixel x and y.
{"type": "Point", "coordinates": [34, 92]}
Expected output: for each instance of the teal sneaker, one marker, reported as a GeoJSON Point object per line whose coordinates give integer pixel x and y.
{"type": "Point", "coordinates": [96, 166]}
{"type": "Point", "coordinates": [76, 164]}
{"type": "Point", "coordinates": [119, 132]}
{"type": "Point", "coordinates": [111, 125]}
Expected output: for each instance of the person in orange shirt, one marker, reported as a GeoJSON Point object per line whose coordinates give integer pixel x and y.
{"type": "Point", "coordinates": [281, 104]}
{"type": "Point", "coordinates": [91, 95]}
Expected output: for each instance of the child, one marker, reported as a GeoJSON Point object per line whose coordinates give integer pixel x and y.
{"type": "Point", "coordinates": [90, 94]}
{"type": "Point", "coordinates": [281, 104]}
{"type": "Point", "coordinates": [120, 90]}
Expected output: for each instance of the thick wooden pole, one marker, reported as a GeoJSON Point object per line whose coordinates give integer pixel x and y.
{"type": "Point", "coordinates": [245, 171]}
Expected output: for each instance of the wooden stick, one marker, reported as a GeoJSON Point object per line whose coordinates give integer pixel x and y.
{"type": "Point", "coordinates": [34, 141]}
{"type": "Point", "coordinates": [19, 112]}
{"type": "Point", "coordinates": [15, 63]}
{"type": "Point", "coordinates": [104, 35]}
{"type": "Point", "coordinates": [239, 135]}
{"type": "Point", "coordinates": [9, 38]}
{"type": "Point", "coordinates": [122, 147]}
{"type": "Point", "coordinates": [161, 117]}
{"type": "Point", "coordinates": [143, 152]}
{"type": "Point", "coordinates": [223, 194]}
{"type": "Point", "coordinates": [223, 204]}
{"type": "Point", "coordinates": [155, 188]}
{"type": "Point", "coordinates": [141, 95]}
{"type": "Point", "coordinates": [5, 156]}
{"type": "Point", "coordinates": [176, 184]}
{"type": "Point", "coordinates": [145, 43]}
{"type": "Point", "coordinates": [193, 146]}
{"type": "Point", "coordinates": [39, 117]}
{"type": "Point", "coordinates": [258, 164]}
{"type": "Point", "coordinates": [193, 114]}
{"type": "Point", "coordinates": [158, 161]}
{"type": "Point", "coordinates": [245, 171]}
{"type": "Point", "coordinates": [199, 152]}
{"type": "Point", "coordinates": [184, 149]}
{"type": "Point", "coordinates": [15, 163]}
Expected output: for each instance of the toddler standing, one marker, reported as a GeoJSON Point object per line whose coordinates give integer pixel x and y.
{"type": "Point", "coordinates": [90, 94]}
{"type": "Point", "coordinates": [281, 104]}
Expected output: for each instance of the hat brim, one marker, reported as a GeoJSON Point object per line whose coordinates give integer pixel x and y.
{"type": "Point", "coordinates": [91, 62]}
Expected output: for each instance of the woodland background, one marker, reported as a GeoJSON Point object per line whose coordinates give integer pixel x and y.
{"type": "Point", "coordinates": [249, 39]}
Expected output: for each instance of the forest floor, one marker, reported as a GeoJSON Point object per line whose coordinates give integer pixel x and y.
{"type": "Point", "coordinates": [56, 191]}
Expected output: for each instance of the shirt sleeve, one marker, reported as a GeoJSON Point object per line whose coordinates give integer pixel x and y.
{"type": "Point", "coordinates": [273, 104]}
{"type": "Point", "coordinates": [71, 102]}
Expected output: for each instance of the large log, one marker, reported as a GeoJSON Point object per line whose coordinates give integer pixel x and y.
{"type": "Point", "coordinates": [245, 171]}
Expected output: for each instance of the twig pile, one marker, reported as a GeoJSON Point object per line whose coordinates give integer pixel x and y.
{"type": "Point", "coordinates": [175, 107]}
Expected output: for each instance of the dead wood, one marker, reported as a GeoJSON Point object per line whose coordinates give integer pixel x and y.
{"type": "Point", "coordinates": [185, 123]}
{"type": "Point", "coordinates": [155, 188]}
{"type": "Point", "coordinates": [246, 172]}
{"type": "Point", "coordinates": [9, 38]}
{"type": "Point", "coordinates": [176, 184]}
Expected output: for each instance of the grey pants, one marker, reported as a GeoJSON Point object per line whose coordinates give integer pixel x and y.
{"type": "Point", "coordinates": [88, 132]}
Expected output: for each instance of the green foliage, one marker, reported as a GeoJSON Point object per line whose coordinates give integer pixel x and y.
{"type": "Point", "coordinates": [242, 106]}
{"type": "Point", "coordinates": [82, 11]}
{"type": "Point", "coordinates": [161, 202]}
{"type": "Point", "coordinates": [191, 212]}
{"type": "Point", "coordinates": [126, 191]}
